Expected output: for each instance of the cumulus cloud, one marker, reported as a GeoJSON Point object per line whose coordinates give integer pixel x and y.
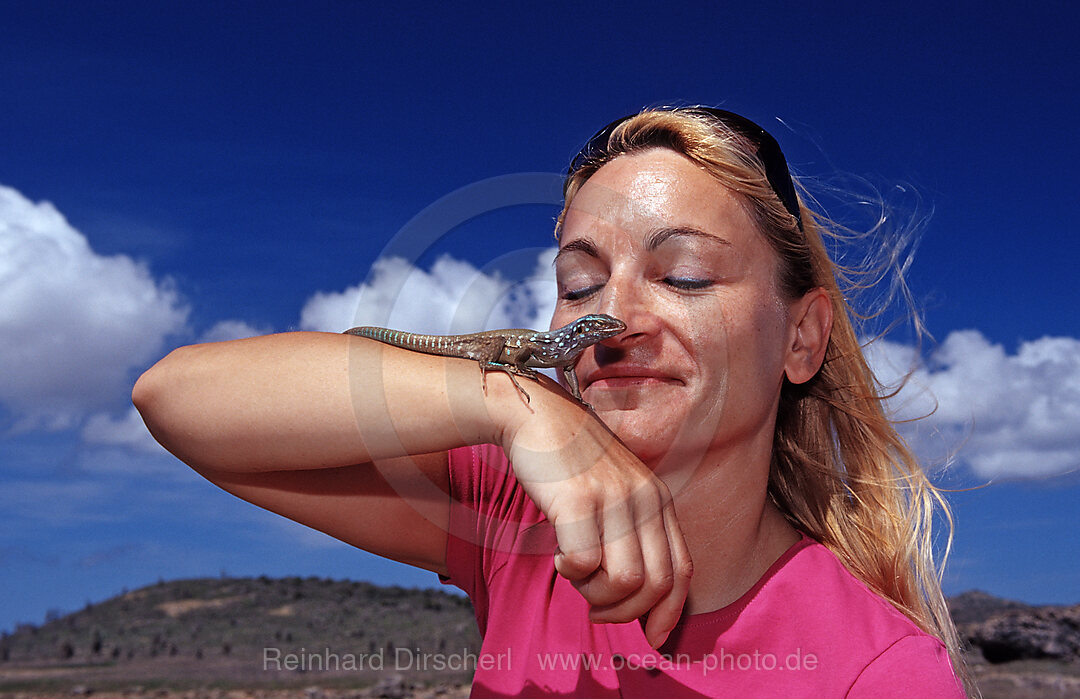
{"type": "Point", "coordinates": [74, 324]}
{"type": "Point", "coordinates": [127, 431]}
{"type": "Point", "coordinates": [452, 297]}
{"type": "Point", "coordinates": [1005, 415]}
{"type": "Point", "coordinates": [231, 330]}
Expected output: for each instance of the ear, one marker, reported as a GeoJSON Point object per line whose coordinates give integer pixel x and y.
{"type": "Point", "coordinates": [811, 324]}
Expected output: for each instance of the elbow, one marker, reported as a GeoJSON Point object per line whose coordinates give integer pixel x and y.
{"type": "Point", "coordinates": [180, 401]}
{"type": "Point", "coordinates": [142, 394]}
{"type": "Point", "coordinates": [152, 385]}
{"type": "Point", "coordinates": [155, 397]}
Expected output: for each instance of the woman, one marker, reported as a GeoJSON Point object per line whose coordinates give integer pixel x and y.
{"type": "Point", "coordinates": [737, 515]}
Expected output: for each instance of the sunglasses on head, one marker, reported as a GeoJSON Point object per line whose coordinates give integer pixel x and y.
{"type": "Point", "coordinates": [767, 151]}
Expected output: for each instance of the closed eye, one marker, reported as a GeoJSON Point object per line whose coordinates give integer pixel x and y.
{"type": "Point", "coordinates": [688, 284]}
{"type": "Point", "coordinates": [577, 294]}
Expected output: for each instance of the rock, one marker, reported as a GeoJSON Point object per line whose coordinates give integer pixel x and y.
{"type": "Point", "coordinates": [1037, 633]}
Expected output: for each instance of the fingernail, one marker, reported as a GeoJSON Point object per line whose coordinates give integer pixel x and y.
{"type": "Point", "coordinates": [661, 640]}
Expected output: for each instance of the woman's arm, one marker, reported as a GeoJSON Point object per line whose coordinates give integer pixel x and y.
{"type": "Point", "coordinates": [300, 401]}
{"type": "Point", "coordinates": [319, 428]}
{"type": "Point", "coordinates": [349, 436]}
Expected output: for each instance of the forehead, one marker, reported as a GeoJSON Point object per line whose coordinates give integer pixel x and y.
{"type": "Point", "coordinates": [658, 188]}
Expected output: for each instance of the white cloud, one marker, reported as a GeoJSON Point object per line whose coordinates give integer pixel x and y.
{"type": "Point", "coordinates": [231, 330]}
{"type": "Point", "coordinates": [453, 297]}
{"type": "Point", "coordinates": [127, 431]}
{"type": "Point", "coordinates": [1005, 415]}
{"type": "Point", "coordinates": [74, 325]}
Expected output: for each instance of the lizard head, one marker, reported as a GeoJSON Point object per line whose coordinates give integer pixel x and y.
{"type": "Point", "coordinates": [595, 327]}
{"type": "Point", "coordinates": [565, 344]}
{"type": "Point", "coordinates": [586, 331]}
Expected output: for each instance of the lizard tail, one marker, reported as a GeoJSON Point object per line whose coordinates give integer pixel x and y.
{"type": "Point", "coordinates": [399, 338]}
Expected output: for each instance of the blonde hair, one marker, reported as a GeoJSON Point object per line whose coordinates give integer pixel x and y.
{"type": "Point", "coordinates": [840, 471]}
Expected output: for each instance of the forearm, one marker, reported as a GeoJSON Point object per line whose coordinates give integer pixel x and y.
{"type": "Point", "coordinates": [313, 400]}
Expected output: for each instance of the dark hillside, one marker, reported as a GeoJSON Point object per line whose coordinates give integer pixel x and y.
{"type": "Point", "coordinates": [975, 606]}
{"type": "Point", "coordinates": [248, 630]}
{"type": "Point", "coordinates": [241, 616]}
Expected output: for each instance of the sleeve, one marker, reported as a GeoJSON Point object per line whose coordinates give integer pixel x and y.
{"type": "Point", "coordinates": [488, 510]}
{"type": "Point", "coordinates": [914, 666]}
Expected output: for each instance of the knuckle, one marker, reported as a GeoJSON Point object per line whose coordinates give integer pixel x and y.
{"type": "Point", "coordinates": [657, 587]}
{"type": "Point", "coordinates": [663, 583]}
{"type": "Point", "coordinates": [617, 494]}
{"type": "Point", "coordinates": [572, 571]}
{"type": "Point", "coordinates": [684, 569]}
{"type": "Point", "coordinates": [648, 501]}
{"type": "Point", "coordinates": [587, 559]}
{"type": "Point", "coordinates": [627, 580]}
{"type": "Point", "coordinates": [654, 493]}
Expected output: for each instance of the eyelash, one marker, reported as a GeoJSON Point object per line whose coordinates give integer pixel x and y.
{"type": "Point", "coordinates": [688, 284]}
{"type": "Point", "coordinates": [578, 294]}
{"type": "Point", "coordinates": [676, 282]}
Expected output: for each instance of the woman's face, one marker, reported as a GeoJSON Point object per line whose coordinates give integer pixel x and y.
{"type": "Point", "coordinates": [654, 240]}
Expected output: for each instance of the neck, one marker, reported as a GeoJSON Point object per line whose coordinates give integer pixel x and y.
{"type": "Point", "coordinates": [732, 529]}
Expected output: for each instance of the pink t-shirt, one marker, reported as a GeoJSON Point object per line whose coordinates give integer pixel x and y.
{"type": "Point", "coordinates": [808, 628]}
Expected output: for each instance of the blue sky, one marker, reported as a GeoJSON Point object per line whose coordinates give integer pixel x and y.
{"type": "Point", "coordinates": [171, 172]}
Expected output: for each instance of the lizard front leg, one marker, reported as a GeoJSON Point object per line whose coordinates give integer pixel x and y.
{"type": "Point", "coordinates": [511, 371]}
{"type": "Point", "coordinates": [571, 380]}
{"type": "Point", "coordinates": [569, 375]}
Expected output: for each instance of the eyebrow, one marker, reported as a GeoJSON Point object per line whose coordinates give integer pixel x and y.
{"type": "Point", "coordinates": [585, 245]}
{"type": "Point", "coordinates": [652, 241]}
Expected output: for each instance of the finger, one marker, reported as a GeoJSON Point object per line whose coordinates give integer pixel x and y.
{"type": "Point", "coordinates": [658, 576]}
{"type": "Point", "coordinates": [578, 555]}
{"type": "Point", "coordinates": [666, 612]}
{"type": "Point", "coordinates": [622, 570]}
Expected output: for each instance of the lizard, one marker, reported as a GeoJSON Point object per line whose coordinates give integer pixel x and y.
{"type": "Point", "coordinates": [518, 352]}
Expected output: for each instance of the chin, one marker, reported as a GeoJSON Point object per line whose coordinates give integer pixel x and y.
{"type": "Point", "coordinates": [652, 398]}
{"type": "Point", "coordinates": [645, 432]}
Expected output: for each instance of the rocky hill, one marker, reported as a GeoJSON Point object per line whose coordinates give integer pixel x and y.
{"type": "Point", "coordinates": [251, 632]}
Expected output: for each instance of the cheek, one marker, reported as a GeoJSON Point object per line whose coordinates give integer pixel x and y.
{"type": "Point", "coordinates": [765, 342]}
{"type": "Point", "coordinates": [739, 351]}
{"type": "Point", "coordinates": [713, 346]}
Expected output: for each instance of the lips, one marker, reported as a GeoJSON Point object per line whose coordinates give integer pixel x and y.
{"type": "Point", "coordinates": [625, 376]}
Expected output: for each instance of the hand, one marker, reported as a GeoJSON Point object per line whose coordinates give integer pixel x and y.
{"type": "Point", "coordinates": [619, 541]}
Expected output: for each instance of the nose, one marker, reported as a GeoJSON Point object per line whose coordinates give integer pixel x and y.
{"type": "Point", "coordinates": [627, 299]}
